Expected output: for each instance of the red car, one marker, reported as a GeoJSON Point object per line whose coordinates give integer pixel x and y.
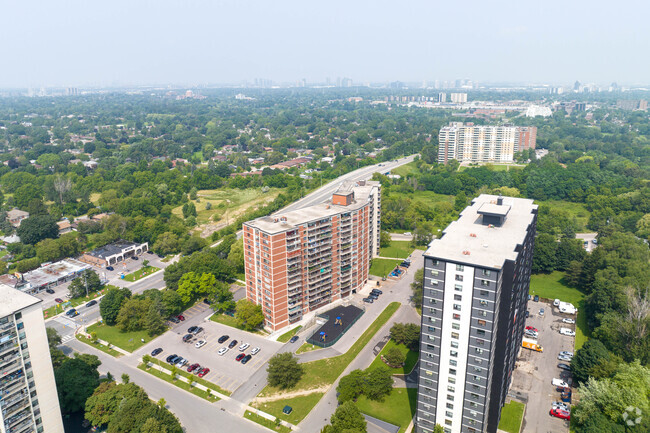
{"type": "Point", "coordinates": [193, 367]}
{"type": "Point", "coordinates": [531, 328]}
{"type": "Point", "coordinates": [240, 357]}
{"type": "Point", "coordinates": [559, 413]}
{"type": "Point", "coordinates": [181, 317]}
{"type": "Point", "coordinates": [204, 372]}
{"type": "Point", "coordinates": [58, 300]}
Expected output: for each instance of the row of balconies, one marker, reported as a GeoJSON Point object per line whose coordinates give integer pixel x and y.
{"type": "Point", "coordinates": [19, 421]}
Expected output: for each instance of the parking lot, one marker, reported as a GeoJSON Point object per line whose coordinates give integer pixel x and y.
{"type": "Point", "coordinates": [535, 371]}
{"type": "Point", "coordinates": [224, 370]}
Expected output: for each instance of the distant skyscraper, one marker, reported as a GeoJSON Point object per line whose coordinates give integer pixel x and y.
{"type": "Point", "coordinates": [442, 97]}
{"type": "Point", "coordinates": [28, 392]}
{"type": "Point", "coordinates": [476, 279]}
{"type": "Point", "coordinates": [483, 143]}
{"type": "Point", "coordinates": [458, 98]}
{"type": "Point", "coordinates": [576, 86]}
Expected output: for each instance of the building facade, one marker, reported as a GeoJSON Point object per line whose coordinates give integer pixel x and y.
{"type": "Point", "coordinates": [114, 253]}
{"type": "Point", "coordinates": [483, 143]}
{"type": "Point", "coordinates": [476, 279]}
{"type": "Point", "coordinates": [299, 261]}
{"type": "Point", "coordinates": [29, 399]}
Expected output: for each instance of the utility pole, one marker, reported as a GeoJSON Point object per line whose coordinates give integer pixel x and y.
{"type": "Point", "coordinates": [86, 282]}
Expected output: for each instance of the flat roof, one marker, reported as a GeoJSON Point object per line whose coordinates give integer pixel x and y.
{"type": "Point", "coordinates": [112, 249]}
{"type": "Point", "coordinates": [54, 271]}
{"type": "Point", "coordinates": [289, 220]}
{"type": "Point", "coordinates": [12, 300]}
{"type": "Point", "coordinates": [467, 240]}
{"type": "Point", "coordinates": [494, 209]}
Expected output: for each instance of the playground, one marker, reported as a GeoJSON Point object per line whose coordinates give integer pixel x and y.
{"type": "Point", "coordinates": [337, 321]}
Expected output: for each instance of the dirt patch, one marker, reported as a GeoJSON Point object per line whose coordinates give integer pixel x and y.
{"type": "Point", "coordinates": [293, 394]}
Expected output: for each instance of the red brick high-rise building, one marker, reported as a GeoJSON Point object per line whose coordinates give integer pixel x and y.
{"type": "Point", "coordinates": [302, 260]}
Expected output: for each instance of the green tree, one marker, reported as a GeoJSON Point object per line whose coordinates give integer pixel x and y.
{"type": "Point", "coordinates": [347, 418]}
{"type": "Point", "coordinates": [460, 202]}
{"type": "Point", "coordinates": [417, 287]}
{"type": "Point", "coordinates": [236, 255]}
{"type": "Point", "coordinates": [438, 429]}
{"type": "Point", "coordinates": [172, 302]}
{"type": "Point", "coordinates": [249, 316]}
{"type": "Point", "coordinates": [109, 306]}
{"type": "Point", "coordinates": [384, 239]}
{"type": "Point", "coordinates": [152, 425]}
{"type": "Point", "coordinates": [284, 371]}
{"type": "Point", "coordinates": [167, 243]}
{"type": "Point", "coordinates": [89, 281]}
{"type": "Point", "coordinates": [75, 382]}
{"type": "Point", "coordinates": [192, 244]}
{"type": "Point", "coordinates": [544, 254]}
{"type": "Point", "coordinates": [153, 321]}
{"type": "Point", "coordinates": [133, 314]}
{"type": "Point", "coordinates": [379, 383]}
{"type": "Point", "coordinates": [352, 386]}
{"type": "Point", "coordinates": [125, 378]}
{"type": "Point", "coordinates": [36, 228]}
{"type": "Point", "coordinates": [588, 359]}
{"type": "Point", "coordinates": [53, 338]}
{"type": "Point", "coordinates": [394, 357]}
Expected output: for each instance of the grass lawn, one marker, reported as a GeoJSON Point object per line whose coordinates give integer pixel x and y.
{"type": "Point", "coordinates": [382, 267]}
{"type": "Point", "coordinates": [399, 249]}
{"type": "Point", "coordinates": [128, 341]}
{"type": "Point", "coordinates": [577, 210]}
{"type": "Point", "coordinates": [98, 346]}
{"type": "Point", "coordinates": [141, 273]}
{"type": "Point", "coordinates": [227, 320]}
{"type": "Point", "coordinates": [3, 252]}
{"type": "Point", "coordinates": [287, 335]}
{"type": "Point", "coordinates": [265, 422]}
{"type": "Point", "coordinates": [406, 169]}
{"type": "Point", "coordinates": [411, 358]}
{"type": "Point", "coordinates": [307, 347]}
{"type": "Point", "coordinates": [325, 371]}
{"type": "Point", "coordinates": [511, 416]}
{"type": "Point", "coordinates": [301, 407]}
{"type": "Point", "coordinates": [552, 286]}
{"type": "Point", "coordinates": [74, 302]}
{"type": "Point", "coordinates": [180, 384]}
{"type": "Point", "coordinates": [397, 408]}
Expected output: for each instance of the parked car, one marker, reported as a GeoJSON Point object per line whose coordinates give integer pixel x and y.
{"type": "Point", "coordinates": [175, 359]}
{"type": "Point", "coordinates": [245, 359]}
{"type": "Point", "coordinates": [530, 296]}
{"type": "Point", "coordinates": [193, 367]}
{"type": "Point", "coordinates": [181, 317]}
{"type": "Point", "coordinates": [203, 372]}
{"type": "Point", "coordinates": [239, 357]}
{"type": "Point", "coordinates": [559, 413]}
{"type": "Point", "coordinates": [560, 383]}
{"type": "Point", "coordinates": [199, 344]}
{"type": "Point", "coordinates": [566, 353]}
{"type": "Point", "coordinates": [91, 303]}
{"type": "Point", "coordinates": [232, 344]}
{"type": "Point", "coordinates": [243, 347]}
{"type": "Point", "coordinates": [556, 303]}
{"type": "Point", "coordinates": [222, 351]}
{"type": "Point", "coordinates": [560, 405]}
{"type": "Point", "coordinates": [156, 352]}
{"type": "Point", "coordinates": [206, 301]}
{"type": "Point", "coordinates": [377, 291]}
{"type": "Point", "coordinates": [223, 338]}
{"type": "Point", "coordinates": [197, 330]}
{"type": "Point", "coordinates": [181, 363]}
{"type": "Point", "coordinates": [135, 258]}
{"type": "Point", "coordinates": [71, 312]}
{"type": "Point", "coordinates": [565, 367]}
{"type": "Point", "coordinates": [541, 312]}
{"type": "Point", "coordinates": [567, 332]}
{"type": "Point", "coordinates": [171, 358]}
{"type": "Point", "coordinates": [58, 300]}
{"type": "Point", "coordinates": [564, 358]}
{"type": "Point", "coordinates": [527, 314]}
{"type": "Point", "coordinates": [191, 329]}
{"type": "Point", "coordinates": [569, 321]}
{"type": "Point", "coordinates": [368, 300]}
{"type": "Point", "coordinates": [110, 268]}
{"type": "Point", "coordinates": [293, 339]}
{"type": "Point", "coordinates": [162, 256]}
{"type": "Point", "coordinates": [149, 252]}
{"type": "Point", "coordinates": [255, 351]}
{"type": "Point", "coordinates": [50, 291]}
{"type": "Point", "coordinates": [532, 328]}
{"type": "Point", "coordinates": [536, 298]}
{"type": "Point", "coordinates": [373, 296]}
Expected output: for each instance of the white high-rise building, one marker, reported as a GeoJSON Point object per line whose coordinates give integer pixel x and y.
{"type": "Point", "coordinates": [28, 396]}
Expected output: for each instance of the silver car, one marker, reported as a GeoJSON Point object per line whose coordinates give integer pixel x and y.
{"type": "Point", "coordinates": [255, 351]}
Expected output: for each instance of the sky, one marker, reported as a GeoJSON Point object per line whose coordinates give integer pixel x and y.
{"type": "Point", "coordinates": [195, 42]}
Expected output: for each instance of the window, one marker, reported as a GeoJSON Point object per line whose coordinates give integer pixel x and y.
{"type": "Point", "coordinates": [457, 307]}
{"type": "Point", "coordinates": [480, 332]}
{"type": "Point", "coordinates": [458, 287]}
{"type": "Point", "coordinates": [459, 277]}
{"type": "Point", "coordinates": [449, 414]}
{"type": "Point", "coordinates": [456, 316]}
{"type": "Point", "coordinates": [455, 335]}
{"type": "Point", "coordinates": [434, 273]}
{"type": "Point", "coordinates": [451, 379]}
{"type": "Point", "coordinates": [452, 371]}
{"type": "Point", "coordinates": [482, 313]}
{"type": "Point", "coordinates": [473, 404]}
{"type": "Point", "coordinates": [455, 326]}
{"type": "Point", "coordinates": [431, 329]}
{"type": "Point", "coordinates": [478, 369]}
{"type": "Point", "coordinates": [454, 344]}
{"type": "Point", "coordinates": [453, 362]}
{"type": "Point", "coordinates": [484, 293]}
{"type": "Point", "coordinates": [477, 378]}
{"type": "Point", "coordinates": [460, 268]}
{"type": "Point", "coordinates": [453, 353]}
{"type": "Point", "coordinates": [434, 282]}
{"type": "Point", "coordinates": [481, 322]}
{"type": "Point", "coordinates": [484, 303]}
{"type": "Point", "coordinates": [475, 396]}
{"type": "Point", "coordinates": [450, 397]}
{"type": "Point", "coordinates": [450, 406]}
{"type": "Point", "coordinates": [458, 298]}
{"type": "Point", "coordinates": [448, 422]}
{"type": "Point", "coordinates": [451, 389]}
{"type": "Point", "coordinates": [480, 341]}
{"type": "Point", "coordinates": [478, 350]}
{"type": "Point", "coordinates": [485, 283]}
{"type": "Point", "coordinates": [475, 387]}
{"type": "Point", "coordinates": [486, 272]}
{"type": "Point", "coordinates": [478, 360]}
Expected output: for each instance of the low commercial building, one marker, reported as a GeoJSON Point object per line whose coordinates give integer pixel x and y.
{"type": "Point", "coordinates": [29, 399]}
{"type": "Point", "coordinates": [114, 253]}
{"type": "Point", "coordinates": [53, 274]}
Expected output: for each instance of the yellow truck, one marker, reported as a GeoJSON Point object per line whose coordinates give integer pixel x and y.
{"type": "Point", "coordinates": [531, 344]}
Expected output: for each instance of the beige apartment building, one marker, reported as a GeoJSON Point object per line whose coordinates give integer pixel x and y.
{"type": "Point", "coordinates": [28, 396]}
{"type": "Point", "coordinates": [299, 261]}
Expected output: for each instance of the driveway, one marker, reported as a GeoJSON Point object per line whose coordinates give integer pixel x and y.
{"type": "Point", "coordinates": [588, 240]}
{"type": "Point", "coordinates": [534, 372]}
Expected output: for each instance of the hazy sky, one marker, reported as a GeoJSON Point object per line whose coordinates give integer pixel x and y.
{"type": "Point", "coordinates": [99, 42]}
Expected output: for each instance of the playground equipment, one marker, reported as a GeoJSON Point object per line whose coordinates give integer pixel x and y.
{"type": "Point", "coordinates": [323, 336]}
{"type": "Point", "coordinates": [338, 321]}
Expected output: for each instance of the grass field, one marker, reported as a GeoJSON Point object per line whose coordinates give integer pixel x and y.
{"type": "Point", "coordinates": [325, 371]}
{"type": "Point", "coordinates": [425, 197]}
{"type": "Point", "coordinates": [382, 267]}
{"type": "Point", "coordinates": [287, 335]}
{"type": "Point", "coordinates": [180, 384]}
{"type": "Point", "coordinates": [577, 210]}
{"type": "Point", "coordinates": [98, 346]}
{"type": "Point", "coordinates": [141, 273]}
{"type": "Point", "coordinates": [397, 408]}
{"type": "Point", "coordinates": [398, 249]}
{"type": "Point", "coordinates": [552, 286]}
{"type": "Point", "coordinates": [265, 422]}
{"type": "Point", "coordinates": [406, 170]}
{"type": "Point", "coordinates": [301, 407]}
{"type": "Point", "coordinates": [128, 341]}
{"type": "Point", "coordinates": [74, 302]}
{"type": "Point", "coordinates": [227, 205]}
{"type": "Point", "coordinates": [511, 416]}
{"type": "Point", "coordinates": [227, 320]}
{"type": "Point", "coordinates": [411, 358]}
{"type": "Point", "coordinates": [307, 347]}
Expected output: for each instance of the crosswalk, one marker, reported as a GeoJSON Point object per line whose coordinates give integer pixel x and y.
{"type": "Point", "coordinates": [67, 338]}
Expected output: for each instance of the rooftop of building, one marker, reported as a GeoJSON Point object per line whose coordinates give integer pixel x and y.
{"type": "Point", "coordinates": [286, 221]}
{"type": "Point", "coordinates": [52, 272]}
{"type": "Point", "coordinates": [116, 247]}
{"type": "Point", "coordinates": [12, 300]}
{"type": "Point", "coordinates": [468, 240]}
